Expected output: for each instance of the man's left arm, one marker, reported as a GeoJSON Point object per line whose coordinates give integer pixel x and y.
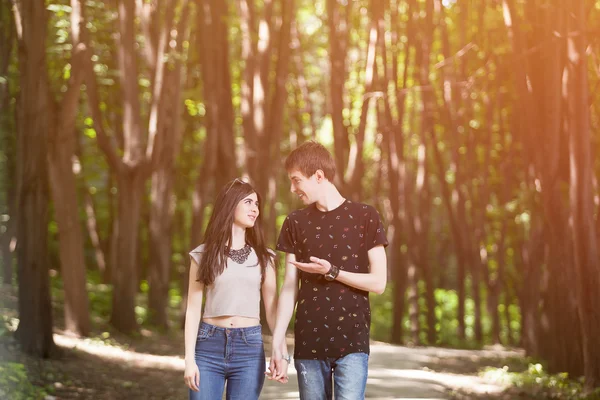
{"type": "Point", "coordinates": [373, 281]}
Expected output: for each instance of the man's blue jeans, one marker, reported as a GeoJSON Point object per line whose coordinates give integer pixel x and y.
{"type": "Point", "coordinates": [349, 375]}
{"type": "Point", "coordinates": [232, 355]}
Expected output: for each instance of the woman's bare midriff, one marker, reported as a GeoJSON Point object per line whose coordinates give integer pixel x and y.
{"type": "Point", "coordinates": [232, 321]}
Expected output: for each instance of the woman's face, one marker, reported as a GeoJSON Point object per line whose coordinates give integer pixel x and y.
{"type": "Point", "coordinates": [246, 211]}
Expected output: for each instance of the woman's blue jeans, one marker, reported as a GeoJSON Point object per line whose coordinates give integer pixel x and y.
{"type": "Point", "coordinates": [232, 355]}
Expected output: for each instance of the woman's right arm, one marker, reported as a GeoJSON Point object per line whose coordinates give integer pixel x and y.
{"type": "Point", "coordinates": [193, 315]}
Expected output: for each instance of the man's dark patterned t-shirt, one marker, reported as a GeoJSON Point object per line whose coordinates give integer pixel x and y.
{"type": "Point", "coordinates": [332, 319]}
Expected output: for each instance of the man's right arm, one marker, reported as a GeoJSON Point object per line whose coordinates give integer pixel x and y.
{"type": "Point", "coordinates": [285, 307]}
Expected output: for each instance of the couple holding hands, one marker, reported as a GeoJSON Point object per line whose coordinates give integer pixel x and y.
{"type": "Point", "coordinates": [334, 256]}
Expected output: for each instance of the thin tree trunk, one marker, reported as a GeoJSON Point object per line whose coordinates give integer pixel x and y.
{"type": "Point", "coordinates": [354, 170]}
{"type": "Point", "coordinates": [399, 180]}
{"type": "Point", "coordinates": [275, 114]}
{"type": "Point", "coordinates": [531, 255]}
{"type": "Point", "coordinates": [495, 286]}
{"type": "Point", "coordinates": [92, 224]}
{"type": "Point", "coordinates": [452, 120]}
{"type": "Point", "coordinates": [7, 235]}
{"type": "Point", "coordinates": [162, 205]}
{"type": "Point", "coordinates": [396, 262]}
{"type": "Point", "coordinates": [298, 69]}
{"type": "Point", "coordinates": [338, 45]}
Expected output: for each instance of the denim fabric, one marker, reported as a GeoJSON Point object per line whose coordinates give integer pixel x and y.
{"type": "Point", "coordinates": [349, 375]}
{"type": "Point", "coordinates": [229, 355]}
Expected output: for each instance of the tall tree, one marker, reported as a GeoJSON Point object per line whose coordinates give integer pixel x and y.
{"type": "Point", "coordinates": [7, 228]}
{"type": "Point", "coordinates": [139, 152]}
{"type": "Point", "coordinates": [34, 332]}
{"type": "Point", "coordinates": [587, 266]}
{"type": "Point", "coordinates": [266, 39]}
{"type": "Point", "coordinates": [540, 121]}
{"type": "Point", "coordinates": [63, 185]}
{"type": "Point", "coordinates": [338, 22]}
{"type": "Point", "coordinates": [162, 200]}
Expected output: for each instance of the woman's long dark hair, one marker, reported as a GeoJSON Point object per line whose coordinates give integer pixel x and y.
{"type": "Point", "coordinates": [217, 237]}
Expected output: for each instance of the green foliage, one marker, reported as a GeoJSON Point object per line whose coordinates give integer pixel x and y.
{"type": "Point", "coordinates": [381, 315]}
{"type": "Point", "coordinates": [15, 383]}
{"type": "Point", "coordinates": [446, 314]}
{"type": "Point", "coordinates": [537, 380]}
{"type": "Point", "coordinates": [4, 325]}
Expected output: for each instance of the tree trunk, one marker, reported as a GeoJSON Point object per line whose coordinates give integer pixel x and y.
{"type": "Point", "coordinates": [214, 48]}
{"type": "Point", "coordinates": [396, 261]}
{"type": "Point", "coordinates": [63, 187]}
{"type": "Point", "coordinates": [7, 141]}
{"type": "Point", "coordinates": [130, 187]}
{"type": "Point", "coordinates": [581, 193]}
{"type": "Point", "coordinates": [275, 115]}
{"type": "Point", "coordinates": [338, 45]}
{"type": "Point", "coordinates": [92, 225]}
{"type": "Point", "coordinates": [495, 286]}
{"type": "Point", "coordinates": [532, 257]}
{"type": "Point", "coordinates": [64, 197]}
{"type": "Point", "coordinates": [456, 213]}
{"type": "Point", "coordinates": [34, 332]}
{"type": "Point", "coordinates": [162, 205]}
{"type": "Point", "coordinates": [132, 169]}
{"type": "Point", "coordinates": [160, 230]}
{"type": "Point", "coordinates": [131, 177]}
{"type": "Point", "coordinates": [538, 85]}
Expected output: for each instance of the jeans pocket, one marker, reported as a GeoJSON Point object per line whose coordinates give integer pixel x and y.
{"type": "Point", "coordinates": [203, 334]}
{"type": "Point", "coordinates": [253, 339]}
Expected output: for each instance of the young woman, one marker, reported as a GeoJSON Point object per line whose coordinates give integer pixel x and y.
{"type": "Point", "coordinates": [224, 343]}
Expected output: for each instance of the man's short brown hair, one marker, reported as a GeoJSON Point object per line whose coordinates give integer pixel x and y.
{"type": "Point", "coordinates": [309, 157]}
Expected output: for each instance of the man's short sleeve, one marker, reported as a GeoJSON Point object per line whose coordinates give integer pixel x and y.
{"type": "Point", "coordinates": [375, 231]}
{"type": "Point", "coordinates": [287, 237]}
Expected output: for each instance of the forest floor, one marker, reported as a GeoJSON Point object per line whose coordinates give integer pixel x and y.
{"type": "Point", "coordinates": [150, 366]}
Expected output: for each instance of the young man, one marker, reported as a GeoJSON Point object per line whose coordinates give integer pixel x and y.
{"type": "Point", "coordinates": [335, 256]}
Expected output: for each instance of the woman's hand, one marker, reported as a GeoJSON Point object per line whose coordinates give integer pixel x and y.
{"type": "Point", "coordinates": [191, 376]}
{"type": "Point", "coordinates": [277, 368]}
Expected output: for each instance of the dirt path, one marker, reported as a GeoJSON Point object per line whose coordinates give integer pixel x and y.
{"type": "Point", "coordinates": [152, 368]}
{"type": "Point", "coordinates": [397, 372]}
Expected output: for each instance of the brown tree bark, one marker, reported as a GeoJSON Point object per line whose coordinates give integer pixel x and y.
{"type": "Point", "coordinates": [298, 71]}
{"type": "Point", "coordinates": [91, 220]}
{"type": "Point", "coordinates": [581, 191]}
{"type": "Point", "coordinates": [162, 205]}
{"type": "Point", "coordinates": [354, 169]}
{"type": "Point", "coordinates": [61, 151]}
{"type": "Point", "coordinates": [495, 285]}
{"type": "Point", "coordinates": [265, 52]}
{"type": "Point", "coordinates": [400, 182]}
{"type": "Point", "coordinates": [132, 169]}
{"type": "Point", "coordinates": [538, 85]}
{"type": "Point", "coordinates": [34, 332]}
{"type": "Point", "coordinates": [7, 235]}
{"type": "Point", "coordinates": [338, 45]}
{"type": "Point", "coordinates": [529, 290]}
{"type": "Point", "coordinates": [456, 209]}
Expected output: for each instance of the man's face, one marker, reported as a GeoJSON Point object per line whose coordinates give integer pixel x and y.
{"type": "Point", "coordinates": [306, 188]}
